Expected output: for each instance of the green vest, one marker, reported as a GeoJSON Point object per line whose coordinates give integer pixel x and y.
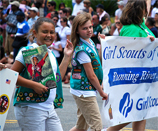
{"type": "Point", "coordinates": [79, 80]}
{"type": "Point", "coordinates": [27, 95]}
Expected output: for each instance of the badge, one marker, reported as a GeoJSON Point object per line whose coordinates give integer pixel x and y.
{"type": "Point", "coordinates": [86, 87]}
{"type": "Point", "coordinates": [82, 78]}
{"type": "Point", "coordinates": [76, 76]}
{"type": "Point", "coordinates": [22, 98]}
{"type": "Point", "coordinates": [40, 95]}
{"type": "Point", "coordinates": [73, 62]}
{"type": "Point", "coordinates": [30, 94]}
{"type": "Point", "coordinates": [56, 100]}
{"type": "Point", "coordinates": [45, 95]}
{"type": "Point", "coordinates": [77, 69]}
{"type": "Point", "coordinates": [42, 99]}
{"type": "Point", "coordinates": [38, 100]}
{"type": "Point", "coordinates": [90, 87]}
{"type": "Point", "coordinates": [82, 82]}
{"type": "Point", "coordinates": [32, 99]}
{"type": "Point", "coordinates": [35, 95]}
{"type": "Point", "coordinates": [82, 87]}
{"type": "Point", "coordinates": [60, 99]}
{"type": "Point", "coordinates": [27, 98]}
{"type": "Point", "coordinates": [58, 104]}
{"type": "Point", "coordinates": [92, 55]}
{"type": "Point", "coordinates": [20, 94]}
{"type": "Point", "coordinates": [25, 94]}
{"type": "Point", "coordinates": [88, 50]}
{"type": "Point", "coordinates": [58, 77]}
{"type": "Point", "coordinates": [79, 48]}
{"type": "Point", "coordinates": [18, 99]}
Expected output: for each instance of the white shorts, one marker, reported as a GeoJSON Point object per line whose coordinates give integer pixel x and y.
{"type": "Point", "coordinates": [31, 119]}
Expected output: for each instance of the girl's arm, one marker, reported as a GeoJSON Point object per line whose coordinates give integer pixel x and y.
{"type": "Point", "coordinates": [37, 87]}
{"type": "Point", "coordinates": [2, 66]}
{"type": "Point", "coordinates": [68, 50]}
{"type": "Point", "coordinates": [94, 80]}
{"type": "Point", "coordinates": [58, 49]}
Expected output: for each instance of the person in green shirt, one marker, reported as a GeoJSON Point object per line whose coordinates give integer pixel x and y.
{"type": "Point", "coordinates": [134, 26]}
{"type": "Point", "coordinates": [96, 28]}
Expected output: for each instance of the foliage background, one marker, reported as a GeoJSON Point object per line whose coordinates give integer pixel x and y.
{"type": "Point", "coordinates": [109, 5]}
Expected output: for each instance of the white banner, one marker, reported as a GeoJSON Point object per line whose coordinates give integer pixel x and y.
{"type": "Point", "coordinates": [130, 67]}
{"type": "Point", "coordinates": [8, 80]}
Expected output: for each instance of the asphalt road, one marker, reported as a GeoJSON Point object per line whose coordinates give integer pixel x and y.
{"type": "Point", "coordinates": [68, 115]}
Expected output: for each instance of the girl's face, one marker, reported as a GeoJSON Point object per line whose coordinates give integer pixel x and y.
{"type": "Point", "coordinates": [62, 22]}
{"type": "Point", "coordinates": [45, 34]}
{"type": "Point", "coordinates": [85, 31]}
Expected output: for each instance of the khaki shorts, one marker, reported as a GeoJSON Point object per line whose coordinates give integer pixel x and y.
{"type": "Point", "coordinates": [88, 113]}
{"type": "Point", "coordinates": [8, 44]}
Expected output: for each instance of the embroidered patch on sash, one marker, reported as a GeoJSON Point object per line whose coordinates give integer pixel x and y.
{"type": "Point", "coordinates": [88, 50]}
{"type": "Point", "coordinates": [25, 94]}
{"type": "Point", "coordinates": [30, 94]}
{"type": "Point", "coordinates": [79, 48]}
{"type": "Point", "coordinates": [86, 87]}
{"type": "Point", "coordinates": [42, 99]}
{"type": "Point", "coordinates": [38, 100]}
{"type": "Point", "coordinates": [82, 87]}
{"type": "Point", "coordinates": [18, 99]}
{"type": "Point", "coordinates": [73, 62]}
{"type": "Point", "coordinates": [22, 98]}
{"type": "Point", "coordinates": [32, 99]}
{"type": "Point", "coordinates": [40, 95]}
{"type": "Point", "coordinates": [58, 77]}
{"type": "Point", "coordinates": [56, 100]}
{"type": "Point", "coordinates": [90, 87]}
{"type": "Point", "coordinates": [60, 100]}
{"type": "Point", "coordinates": [76, 76]}
{"type": "Point", "coordinates": [77, 69]}
{"type": "Point", "coordinates": [27, 98]}
{"type": "Point", "coordinates": [92, 55]}
{"type": "Point", "coordinates": [20, 94]}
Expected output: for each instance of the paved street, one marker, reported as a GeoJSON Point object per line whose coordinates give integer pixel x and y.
{"type": "Point", "coordinates": [68, 115]}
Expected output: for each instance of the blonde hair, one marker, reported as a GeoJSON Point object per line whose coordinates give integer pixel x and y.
{"type": "Point", "coordinates": [79, 20]}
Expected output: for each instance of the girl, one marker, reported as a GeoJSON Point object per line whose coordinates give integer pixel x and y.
{"type": "Point", "coordinates": [35, 115]}
{"type": "Point", "coordinates": [87, 5]}
{"type": "Point", "coordinates": [134, 26]}
{"type": "Point", "coordinates": [86, 75]}
{"type": "Point", "coordinates": [104, 25]}
{"type": "Point", "coordinates": [56, 47]}
{"type": "Point", "coordinates": [64, 33]}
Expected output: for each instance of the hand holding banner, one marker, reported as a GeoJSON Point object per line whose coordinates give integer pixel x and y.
{"type": "Point", "coordinates": [130, 79]}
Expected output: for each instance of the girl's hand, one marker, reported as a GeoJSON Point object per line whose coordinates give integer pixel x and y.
{"type": "Point", "coordinates": [68, 50]}
{"type": "Point", "coordinates": [2, 66]}
{"type": "Point", "coordinates": [101, 36]}
{"type": "Point", "coordinates": [104, 95]}
{"type": "Point", "coordinates": [151, 37]}
{"type": "Point", "coordinates": [39, 88]}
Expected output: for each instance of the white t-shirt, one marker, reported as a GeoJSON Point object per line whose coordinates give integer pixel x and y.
{"type": "Point", "coordinates": [118, 13]}
{"type": "Point", "coordinates": [83, 58]}
{"type": "Point", "coordinates": [56, 45]}
{"type": "Point", "coordinates": [77, 8]}
{"type": "Point", "coordinates": [153, 12]}
{"type": "Point", "coordinates": [63, 32]}
{"type": "Point", "coordinates": [47, 105]}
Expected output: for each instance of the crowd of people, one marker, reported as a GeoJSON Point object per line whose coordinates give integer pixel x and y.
{"type": "Point", "coordinates": [23, 24]}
